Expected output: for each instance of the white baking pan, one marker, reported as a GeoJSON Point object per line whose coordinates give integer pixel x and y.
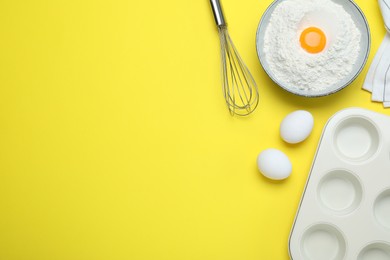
{"type": "Point", "coordinates": [344, 212]}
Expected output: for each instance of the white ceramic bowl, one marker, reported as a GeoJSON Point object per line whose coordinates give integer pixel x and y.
{"type": "Point", "coordinates": [361, 23]}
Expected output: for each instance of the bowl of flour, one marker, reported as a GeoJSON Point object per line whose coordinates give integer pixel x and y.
{"type": "Point", "coordinates": [313, 48]}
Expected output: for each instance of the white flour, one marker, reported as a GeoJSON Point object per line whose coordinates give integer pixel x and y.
{"type": "Point", "coordinates": [295, 67]}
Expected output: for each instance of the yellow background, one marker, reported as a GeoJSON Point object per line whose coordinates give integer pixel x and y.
{"type": "Point", "coordinates": [115, 142]}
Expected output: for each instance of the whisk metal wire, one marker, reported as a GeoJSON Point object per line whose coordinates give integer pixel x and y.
{"type": "Point", "coordinates": [239, 87]}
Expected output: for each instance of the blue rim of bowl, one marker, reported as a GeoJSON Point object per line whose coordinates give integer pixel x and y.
{"type": "Point", "coordinates": [321, 94]}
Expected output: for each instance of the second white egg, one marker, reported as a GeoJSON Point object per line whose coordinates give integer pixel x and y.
{"type": "Point", "coordinates": [274, 164]}
{"type": "Point", "coordinates": [296, 126]}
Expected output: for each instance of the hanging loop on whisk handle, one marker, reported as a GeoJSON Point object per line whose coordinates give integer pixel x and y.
{"type": "Point", "coordinates": [218, 13]}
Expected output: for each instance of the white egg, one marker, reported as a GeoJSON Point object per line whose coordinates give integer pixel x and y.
{"type": "Point", "coordinates": [296, 126]}
{"type": "Point", "coordinates": [274, 164]}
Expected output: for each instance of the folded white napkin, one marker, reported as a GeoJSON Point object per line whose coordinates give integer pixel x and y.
{"type": "Point", "coordinates": [369, 81]}
{"type": "Point", "coordinates": [378, 77]}
{"type": "Point", "coordinates": [379, 82]}
{"type": "Point", "coordinates": [385, 8]}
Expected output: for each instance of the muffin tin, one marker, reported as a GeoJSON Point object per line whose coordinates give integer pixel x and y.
{"type": "Point", "coordinates": [344, 212]}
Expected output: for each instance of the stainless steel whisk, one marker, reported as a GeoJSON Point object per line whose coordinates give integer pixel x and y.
{"type": "Point", "coordinates": [239, 87]}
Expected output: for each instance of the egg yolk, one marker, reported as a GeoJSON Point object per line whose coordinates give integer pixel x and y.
{"type": "Point", "coordinates": [313, 40]}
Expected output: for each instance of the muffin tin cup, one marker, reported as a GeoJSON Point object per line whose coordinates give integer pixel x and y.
{"type": "Point", "coordinates": [323, 241]}
{"type": "Point", "coordinates": [344, 211]}
{"type": "Point", "coordinates": [375, 251]}
{"type": "Point", "coordinates": [356, 139]}
{"type": "Point", "coordinates": [382, 209]}
{"type": "Point", "coordinates": [339, 192]}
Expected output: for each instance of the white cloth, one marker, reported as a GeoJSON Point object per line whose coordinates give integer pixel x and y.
{"type": "Point", "coordinates": [369, 81]}
{"type": "Point", "coordinates": [380, 84]}
{"type": "Point", "coordinates": [378, 76]}
{"type": "Point", "coordinates": [385, 8]}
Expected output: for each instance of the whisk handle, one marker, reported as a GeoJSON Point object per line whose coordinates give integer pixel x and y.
{"type": "Point", "coordinates": [218, 13]}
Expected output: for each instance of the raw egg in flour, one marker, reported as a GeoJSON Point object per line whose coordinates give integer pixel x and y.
{"type": "Point", "coordinates": [313, 40]}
